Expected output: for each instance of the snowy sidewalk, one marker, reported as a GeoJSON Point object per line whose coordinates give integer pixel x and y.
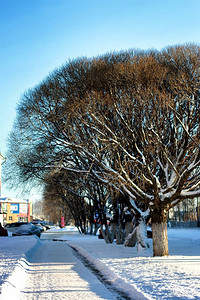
{"type": "Point", "coordinates": [139, 275]}
{"type": "Point", "coordinates": [54, 272]}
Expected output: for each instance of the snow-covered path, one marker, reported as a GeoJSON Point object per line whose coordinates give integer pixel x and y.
{"type": "Point", "coordinates": [33, 268]}
{"type": "Point", "coordinates": [54, 272]}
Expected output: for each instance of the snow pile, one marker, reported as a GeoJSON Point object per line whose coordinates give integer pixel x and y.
{"type": "Point", "coordinates": [16, 282]}
{"type": "Point", "coordinates": [119, 283]}
{"type": "Point", "coordinates": [59, 230]}
{"type": "Point", "coordinates": [14, 253]}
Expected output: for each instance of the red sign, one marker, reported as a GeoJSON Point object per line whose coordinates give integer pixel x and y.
{"type": "Point", "coordinates": [62, 222]}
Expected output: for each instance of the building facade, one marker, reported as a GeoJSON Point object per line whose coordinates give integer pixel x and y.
{"type": "Point", "coordinates": [186, 213]}
{"type": "Point", "coordinates": [15, 210]}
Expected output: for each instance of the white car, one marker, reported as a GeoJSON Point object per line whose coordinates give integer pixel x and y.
{"type": "Point", "coordinates": [12, 226]}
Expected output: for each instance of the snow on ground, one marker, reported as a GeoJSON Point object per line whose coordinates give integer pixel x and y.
{"type": "Point", "coordinates": [65, 229]}
{"type": "Point", "coordinates": [12, 250]}
{"type": "Point", "coordinates": [137, 273]}
{"type": "Point", "coordinates": [174, 277]}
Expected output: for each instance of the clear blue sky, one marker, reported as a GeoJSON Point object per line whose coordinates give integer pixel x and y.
{"type": "Point", "coordinates": [37, 36]}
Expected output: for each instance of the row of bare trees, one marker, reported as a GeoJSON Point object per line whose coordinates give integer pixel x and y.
{"type": "Point", "coordinates": [123, 122]}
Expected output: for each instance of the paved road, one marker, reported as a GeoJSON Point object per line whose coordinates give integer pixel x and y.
{"type": "Point", "coordinates": [54, 272]}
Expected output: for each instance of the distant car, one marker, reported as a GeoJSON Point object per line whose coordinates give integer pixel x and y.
{"type": "Point", "coordinates": [47, 226]}
{"type": "Point", "coordinates": [12, 226]}
{"type": "Point", "coordinates": [39, 225]}
{"type": "Point", "coordinates": [42, 224]}
{"type": "Point", "coordinates": [27, 229]}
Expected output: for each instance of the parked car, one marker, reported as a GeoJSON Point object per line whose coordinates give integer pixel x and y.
{"type": "Point", "coordinates": [3, 231]}
{"type": "Point", "coordinates": [27, 229]}
{"type": "Point", "coordinates": [12, 226]}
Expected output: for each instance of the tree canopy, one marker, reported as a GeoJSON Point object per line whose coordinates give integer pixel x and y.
{"type": "Point", "coordinates": [127, 120]}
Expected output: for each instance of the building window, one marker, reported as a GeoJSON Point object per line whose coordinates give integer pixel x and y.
{"type": "Point", "coordinates": [23, 219]}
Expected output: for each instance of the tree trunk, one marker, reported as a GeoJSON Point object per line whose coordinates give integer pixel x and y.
{"type": "Point", "coordinates": [91, 228]}
{"type": "Point", "coordinates": [141, 234]}
{"type": "Point", "coordinates": [121, 233]}
{"type": "Point", "coordinates": [97, 226]}
{"type": "Point", "coordinates": [109, 234]}
{"type": "Point", "coordinates": [159, 232]}
{"type": "Point", "coordinates": [103, 231]}
{"type": "Point", "coordinates": [138, 235]}
{"type": "Point", "coordinates": [131, 239]}
{"type": "Point", "coordinates": [128, 228]}
{"type": "Point", "coordinates": [116, 231]}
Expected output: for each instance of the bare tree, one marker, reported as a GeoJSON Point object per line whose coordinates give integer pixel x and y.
{"type": "Point", "coordinates": [130, 120]}
{"type": "Point", "coordinates": [38, 211]}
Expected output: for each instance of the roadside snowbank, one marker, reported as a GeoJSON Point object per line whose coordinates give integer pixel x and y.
{"type": "Point", "coordinates": [120, 284]}
{"type": "Point", "coordinates": [14, 253]}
